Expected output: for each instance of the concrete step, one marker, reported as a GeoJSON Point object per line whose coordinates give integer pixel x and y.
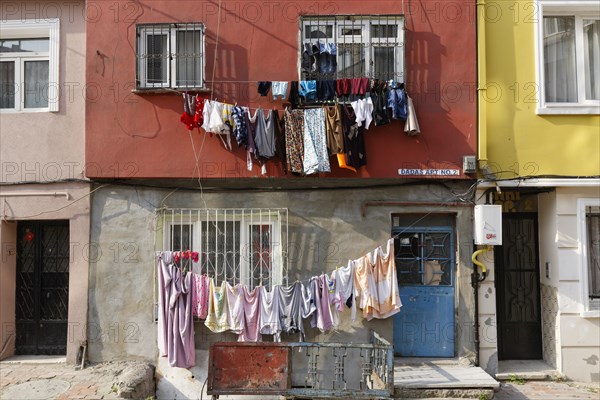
{"type": "Point", "coordinates": [441, 379]}
{"type": "Point", "coordinates": [525, 370]}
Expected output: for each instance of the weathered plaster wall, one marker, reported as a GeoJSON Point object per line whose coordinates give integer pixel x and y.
{"type": "Point", "coordinates": [320, 221]}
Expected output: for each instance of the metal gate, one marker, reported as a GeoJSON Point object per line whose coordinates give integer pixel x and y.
{"type": "Point", "coordinates": [42, 285]}
{"type": "Point", "coordinates": [425, 264]}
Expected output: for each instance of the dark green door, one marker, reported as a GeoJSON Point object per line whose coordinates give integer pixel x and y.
{"type": "Point", "coordinates": [518, 289]}
{"type": "Point", "coordinates": [42, 294]}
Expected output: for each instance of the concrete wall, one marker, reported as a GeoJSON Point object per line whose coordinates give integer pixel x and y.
{"type": "Point", "coordinates": [49, 146]}
{"type": "Point", "coordinates": [121, 290]}
{"type": "Point", "coordinates": [47, 207]}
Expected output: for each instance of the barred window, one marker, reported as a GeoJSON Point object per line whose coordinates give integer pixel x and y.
{"type": "Point", "coordinates": [237, 245]}
{"type": "Point", "coordinates": [170, 56]}
{"type": "Point", "coordinates": [352, 46]}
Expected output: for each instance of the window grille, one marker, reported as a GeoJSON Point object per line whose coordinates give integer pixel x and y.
{"type": "Point", "coordinates": [352, 46]}
{"type": "Point", "coordinates": [592, 217]}
{"type": "Point", "coordinates": [246, 245]}
{"type": "Point", "coordinates": [170, 55]}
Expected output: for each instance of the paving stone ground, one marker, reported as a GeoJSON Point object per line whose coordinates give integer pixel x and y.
{"type": "Point", "coordinates": [547, 390]}
{"type": "Point", "coordinates": [40, 381]}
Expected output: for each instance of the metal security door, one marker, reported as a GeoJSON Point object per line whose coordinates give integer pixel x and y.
{"type": "Point", "coordinates": [42, 287]}
{"type": "Point", "coordinates": [425, 264]}
{"type": "Point", "coordinates": [518, 289]}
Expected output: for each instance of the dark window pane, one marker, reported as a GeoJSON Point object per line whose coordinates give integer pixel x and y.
{"type": "Point", "coordinates": [24, 45]}
{"type": "Point", "coordinates": [593, 233]}
{"type": "Point", "coordinates": [7, 84]}
{"type": "Point", "coordinates": [189, 58]}
{"type": "Point", "coordinates": [559, 59]}
{"type": "Point", "coordinates": [157, 58]}
{"type": "Point", "coordinates": [36, 84]}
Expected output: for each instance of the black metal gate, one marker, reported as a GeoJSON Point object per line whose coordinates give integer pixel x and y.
{"type": "Point", "coordinates": [518, 289]}
{"type": "Point", "coordinates": [42, 294]}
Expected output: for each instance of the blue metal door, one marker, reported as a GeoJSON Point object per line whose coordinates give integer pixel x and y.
{"type": "Point", "coordinates": [425, 265]}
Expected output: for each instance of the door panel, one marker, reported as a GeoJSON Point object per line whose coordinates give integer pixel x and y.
{"type": "Point", "coordinates": [42, 287]}
{"type": "Point", "coordinates": [518, 285]}
{"type": "Point", "coordinates": [425, 264]}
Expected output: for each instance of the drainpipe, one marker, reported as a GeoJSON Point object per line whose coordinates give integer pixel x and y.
{"type": "Point", "coordinates": [475, 280]}
{"type": "Point", "coordinates": [481, 85]}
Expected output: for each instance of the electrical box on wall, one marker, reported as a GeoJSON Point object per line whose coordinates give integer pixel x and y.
{"type": "Point", "coordinates": [487, 225]}
{"type": "Point", "coordinates": [469, 164]}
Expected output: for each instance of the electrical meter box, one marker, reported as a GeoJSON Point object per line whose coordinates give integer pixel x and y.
{"type": "Point", "coordinates": [487, 225]}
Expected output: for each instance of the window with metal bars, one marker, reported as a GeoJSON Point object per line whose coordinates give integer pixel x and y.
{"type": "Point", "coordinates": [352, 46]}
{"type": "Point", "coordinates": [170, 56]}
{"type": "Point", "coordinates": [592, 221]}
{"type": "Point", "coordinates": [237, 245]}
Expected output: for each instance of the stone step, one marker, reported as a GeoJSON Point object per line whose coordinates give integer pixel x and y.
{"type": "Point", "coordinates": [525, 370]}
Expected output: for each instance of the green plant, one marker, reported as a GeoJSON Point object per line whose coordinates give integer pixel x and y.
{"type": "Point", "coordinates": [516, 379]}
{"type": "Point", "coordinates": [114, 388]}
{"type": "Point", "coordinates": [483, 396]}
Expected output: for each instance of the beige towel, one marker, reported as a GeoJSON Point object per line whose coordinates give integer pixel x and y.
{"type": "Point", "coordinates": [412, 125]}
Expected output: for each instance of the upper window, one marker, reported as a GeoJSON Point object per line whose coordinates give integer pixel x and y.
{"type": "Point", "coordinates": [589, 224]}
{"type": "Point", "coordinates": [29, 65]}
{"type": "Point", "coordinates": [170, 56]}
{"type": "Point", "coordinates": [352, 47]}
{"type": "Point", "coordinates": [236, 245]}
{"type": "Point", "coordinates": [569, 50]}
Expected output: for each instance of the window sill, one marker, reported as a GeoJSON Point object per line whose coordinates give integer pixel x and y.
{"type": "Point", "coordinates": [27, 111]}
{"type": "Point", "coordinates": [170, 91]}
{"type": "Point", "coordinates": [569, 110]}
{"type": "Point", "coordinates": [590, 314]}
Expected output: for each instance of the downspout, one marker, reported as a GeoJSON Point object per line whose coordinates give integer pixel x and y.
{"type": "Point", "coordinates": [475, 280]}
{"type": "Point", "coordinates": [482, 156]}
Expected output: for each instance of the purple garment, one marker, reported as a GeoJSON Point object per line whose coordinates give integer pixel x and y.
{"type": "Point", "coordinates": [200, 296]}
{"type": "Point", "coordinates": [175, 318]}
{"type": "Point", "coordinates": [251, 311]}
{"type": "Point", "coordinates": [319, 290]}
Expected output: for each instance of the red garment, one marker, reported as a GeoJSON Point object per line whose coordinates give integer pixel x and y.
{"type": "Point", "coordinates": [188, 121]}
{"type": "Point", "coordinates": [342, 87]}
{"type": "Point", "coordinates": [199, 117]}
{"type": "Point", "coordinates": [360, 85]}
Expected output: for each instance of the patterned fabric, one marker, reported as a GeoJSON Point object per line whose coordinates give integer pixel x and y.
{"type": "Point", "coordinates": [200, 296]}
{"type": "Point", "coordinates": [240, 131]}
{"type": "Point", "coordinates": [315, 142]}
{"type": "Point", "coordinates": [294, 145]}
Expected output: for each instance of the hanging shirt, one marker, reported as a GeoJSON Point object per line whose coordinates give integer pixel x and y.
{"type": "Point", "coordinates": [240, 131]}
{"type": "Point", "coordinates": [333, 128]}
{"type": "Point", "coordinates": [363, 109]}
{"type": "Point", "coordinates": [279, 88]}
{"type": "Point", "coordinates": [264, 133]}
{"type": "Point", "coordinates": [384, 272]}
{"type": "Point", "coordinates": [270, 312]}
{"type": "Point", "coordinates": [217, 319]}
{"type": "Point", "coordinates": [251, 302]}
{"type": "Point", "coordinates": [295, 305]}
{"type": "Point", "coordinates": [319, 290]}
{"type": "Point", "coordinates": [354, 139]}
{"type": "Point", "coordinates": [412, 125]}
{"type": "Point", "coordinates": [236, 308]}
{"type": "Point", "coordinates": [343, 294]}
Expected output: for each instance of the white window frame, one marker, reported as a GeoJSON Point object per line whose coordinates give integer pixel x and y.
{"type": "Point", "coordinates": [364, 23]}
{"type": "Point", "coordinates": [589, 310]}
{"type": "Point", "coordinates": [580, 10]}
{"type": "Point", "coordinates": [171, 32]}
{"type": "Point", "coordinates": [27, 29]}
{"type": "Point", "coordinates": [244, 250]}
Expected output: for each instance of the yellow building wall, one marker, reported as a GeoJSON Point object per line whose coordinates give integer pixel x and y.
{"type": "Point", "coordinates": [515, 141]}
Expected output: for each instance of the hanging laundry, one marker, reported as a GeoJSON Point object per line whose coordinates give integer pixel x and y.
{"type": "Point", "coordinates": [343, 279]}
{"type": "Point", "coordinates": [397, 102]}
{"type": "Point", "coordinates": [240, 130]}
{"type": "Point", "coordinates": [189, 111]}
{"type": "Point", "coordinates": [319, 290]}
{"type": "Point", "coordinates": [199, 116]}
{"type": "Point", "coordinates": [363, 110]}
{"type": "Point", "coordinates": [379, 95]}
{"type": "Point", "coordinates": [235, 307]}
{"type": "Point", "coordinates": [279, 89]}
{"type": "Point", "coordinates": [354, 143]}
{"type": "Point", "coordinates": [270, 312]}
{"type": "Point", "coordinates": [359, 86]}
{"type": "Point", "coordinates": [200, 296]}
{"type": "Point", "coordinates": [279, 127]}
{"type": "Point", "coordinates": [294, 94]}
{"type": "Point", "coordinates": [175, 318]}
{"type": "Point", "coordinates": [315, 142]}
{"type": "Point", "coordinates": [412, 125]}
{"type": "Point", "coordinates": [251, 302]}
{"type": "Point", "coordinates": [333, 128]}
{"type": "Point", "coordinates": [327, 60]}
{"type": "Point", "coordinates": [294, 139]}
{"type": "Point", "coordinates": [295, 306]}
{"type": "Point", "coordinates": [343, 87]}
{"type": "Point", "coordinates": [264, 87]}
{"type": "Point", "coordinates": [227, 119]}
{"type": "Point", "coordinates": [217, 319]}
{"type": "Point", "coordinates": [308, 90]}
{"type": "Point", "coordinates": [264, 133]}
{"type": "Point", "coordinates": [325, 90]}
